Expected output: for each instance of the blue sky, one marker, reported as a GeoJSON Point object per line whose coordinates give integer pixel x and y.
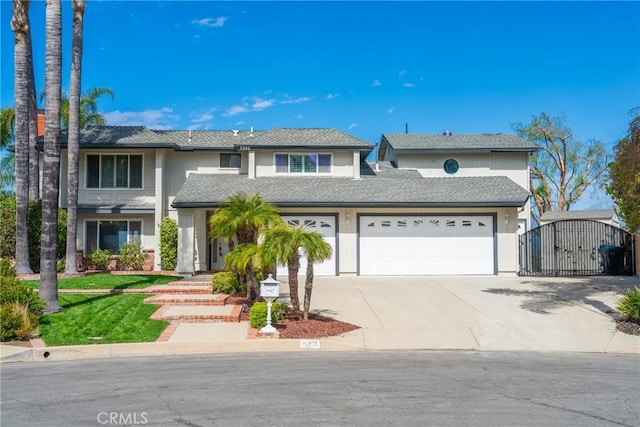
{"type": "Point", "coordinates": [361, 67]}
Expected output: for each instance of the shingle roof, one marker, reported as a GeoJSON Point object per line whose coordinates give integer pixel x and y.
{"type": "Point", "coordinates": [211, 190]}
{"type": "Point", "coordinates": [445, 143]}
{"type": "Point", "coordinates": [140, 137]}
{"type": "Point", "coordinates": [309, 137]}
{"type": "Point", "coordinates": [586, 214]}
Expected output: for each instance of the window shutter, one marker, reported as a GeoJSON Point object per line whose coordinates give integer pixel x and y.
{"type": "Point", "coordinates": [93, 171]}
{"type": "Point", "coordinates": [135, 171]}
{"type": "Point", "coordinates": [107, 169]}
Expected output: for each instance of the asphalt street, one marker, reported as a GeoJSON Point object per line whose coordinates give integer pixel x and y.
{"type": "Point", "coordinates": [327, 389]}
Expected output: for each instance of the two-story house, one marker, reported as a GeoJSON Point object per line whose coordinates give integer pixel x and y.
{"type": "Point", "coordinates": [432, 204]}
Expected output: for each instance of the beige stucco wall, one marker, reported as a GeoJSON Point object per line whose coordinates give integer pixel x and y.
{"type": "Point", "coordinates": [347, 238]}
{"type": "Point", "coordinates": [342, 163]}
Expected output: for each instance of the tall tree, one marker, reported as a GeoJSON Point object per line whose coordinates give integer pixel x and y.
{"type": "Point", "coordinates": [20, 26]}
{"type": "Point", "coordinates": [243, 218]}
{"type": "Point", "coordinates": [624, 176]}
{"type": "Point", "coordinates": [317, 250]}
{"type": "Point", "coordinates": [51, 165]}
{"type": "Point", "coordinates": [563, 168]}
{"type": "Point", "coordinates": [73, 144]}
{"type": "Point", "coordinates": [34, 156]}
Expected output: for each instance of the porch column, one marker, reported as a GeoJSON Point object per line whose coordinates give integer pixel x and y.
{"type": "Point", "coordinates": [356, 165]}
{"type": "Point", "coordinates": [252, 164]}
{"type": "Point", "coordinates": [159, 206]}
{"type": "Point", "coordinates": [186, 240]}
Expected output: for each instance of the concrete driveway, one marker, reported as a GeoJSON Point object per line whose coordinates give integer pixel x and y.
{"type": "Point", "coordinates": [478, 312]}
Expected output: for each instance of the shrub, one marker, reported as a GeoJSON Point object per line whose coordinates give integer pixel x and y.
{"type": "Point", "coordinates": [226, 282]}
{"type": "Point", "coordinates": [258, 313]}
{"type": "Point", "coordinates": [16, 323]}
{"type": "Point", "coordinates": [7, 269]}
{"type": "Point", "coordinates": [131, 256]}
{"type": "Point", "coordinates": [99, 258]}
{"type": "Point", "coordinates": [629, 304]}
{"type": "Point", "coordinates": [168, 244]}
{"type": "Point", "coordinates": [8, 230]}
{"type": "Point", "coordinates": [20, 306]}
{"type": "Point", "coordinates": [34, 231]}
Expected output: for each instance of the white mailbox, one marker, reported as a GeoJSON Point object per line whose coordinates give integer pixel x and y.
{"type": "Point", "coordinates": [270, 289]}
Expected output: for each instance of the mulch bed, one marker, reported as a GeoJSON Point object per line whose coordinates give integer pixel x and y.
{"type": "Point", "coordinates": [629, 327]}
{"type": "Point", "coordinates": [293, 325]}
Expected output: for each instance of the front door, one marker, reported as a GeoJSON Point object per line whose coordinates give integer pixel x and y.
{"type": "Point", "coordinates": [218, 249]}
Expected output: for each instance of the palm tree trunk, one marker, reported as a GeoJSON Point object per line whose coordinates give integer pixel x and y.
{"type": "Point", "coordinates": [34, 157]}
{"type": "Point", "coordinates": [308, 288]}
{"type": "Point", "coordinates": [51, 177]}
{"type": "Point", "coordinates": [20, 25]}
{"type": "Point", "coordinates": [294, 266]}
{"type": "Point", "coordinates": [73, 146]}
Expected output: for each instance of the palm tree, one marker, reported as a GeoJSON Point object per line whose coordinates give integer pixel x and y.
{"type": "Point", "coordinates": [248, 258]}
{"type": "Point", "coordinates": [89, 114]}
{"type": "Point", "coordinates": [317, 250]}
{"type": "Point", "coordinates": [286, 243]}
{"type": "Point", "coordinates": [73, 144]}
{"type": "Point", "coordinates": [20, 26]}
{"type": "Point", "coordinates": [243, 218]}
{"type": "Point", "coordinates": [34, 155]}
{"type": "Point", "coordinates": [51, 165]}
{"type": "Point", "coordinates": [8, 160]}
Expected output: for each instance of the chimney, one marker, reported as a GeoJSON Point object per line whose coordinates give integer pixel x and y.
{"type": "Point", "coordinates": [40, 117]}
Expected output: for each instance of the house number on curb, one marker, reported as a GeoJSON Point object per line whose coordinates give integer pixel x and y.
{"type": "Point", "coordinates": [309, 343]}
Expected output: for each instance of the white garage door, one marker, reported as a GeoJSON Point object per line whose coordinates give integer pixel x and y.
{"type": "Point", "coordinates": [326, 226]}
{"type": "Point", "coordinates": [433, 244]}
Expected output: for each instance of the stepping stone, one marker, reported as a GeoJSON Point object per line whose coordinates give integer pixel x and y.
{"type": "Point", "coordinates": [199, 313]}
{"type": "Point", "coordinates": [188, 299]}
{"type": "Point", "coordinates": [181, 289]}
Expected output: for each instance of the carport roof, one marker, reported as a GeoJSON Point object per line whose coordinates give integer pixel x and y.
{"type": "Point", "coordinates": [211, 190]}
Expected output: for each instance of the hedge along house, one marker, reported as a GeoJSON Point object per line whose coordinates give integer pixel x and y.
{"type": "Point", "coordinates": [422, 209]}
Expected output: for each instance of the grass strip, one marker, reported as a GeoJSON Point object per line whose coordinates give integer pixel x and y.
{"type": "Point", "coordinates": [101, 319]}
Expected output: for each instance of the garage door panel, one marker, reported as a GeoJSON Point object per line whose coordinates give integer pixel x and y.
{"type": "Point", "coordinates": [326, 226]}
{"type": "Point", "coordinates": [438, 245]}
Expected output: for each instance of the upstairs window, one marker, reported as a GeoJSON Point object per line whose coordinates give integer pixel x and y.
{"type": "Point", "coordinates": [230, 160]}
{"type": "Point", "coordinates": [114, 171]}
{"type": "Point", "coordinates": [303, 163]}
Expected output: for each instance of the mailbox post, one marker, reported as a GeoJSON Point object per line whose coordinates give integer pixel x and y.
{"type": "Point", "coordinates": [270, 291]}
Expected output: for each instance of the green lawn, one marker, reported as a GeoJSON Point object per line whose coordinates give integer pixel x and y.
{"type": "Point", "coordinates": [101, 319]}
{"type": "Point", "coordinates": [110, 281]}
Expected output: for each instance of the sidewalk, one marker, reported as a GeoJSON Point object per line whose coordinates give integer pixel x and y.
{"type": "Point", "coordinates": [484, 313]}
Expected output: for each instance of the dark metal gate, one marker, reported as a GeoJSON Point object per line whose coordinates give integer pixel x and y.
{"type": "Point", "coordinates": [577, 248]}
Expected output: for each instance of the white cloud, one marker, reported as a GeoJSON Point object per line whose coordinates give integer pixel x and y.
{"type": "Point", "coordinates": [409, 85]}
{"type": "Point", "coordinates": [332, 95]}
{"type": "Point", "coordinates": [296, 100]}
{"type": "Point", "coordinates": [299, 116]}
{"type": "Point", "coordinates": [352, 125]}
{"type": "Point", "coordinates": [236, 109]}
{"type": "Point", "coordinates": [376, 83]}
{"type": "Point", "coordinates": [203, 117]}
{"type": "Point", "coordinates": [390, 110]}
{"type": "Point", "coordinates": [401, 74]}
{"type": "Point", "coordinates": [261, 104]}
{"type": "Point", "coordinates": [152, 119]}
{"type": "Point", "coordinates": [211, 22]}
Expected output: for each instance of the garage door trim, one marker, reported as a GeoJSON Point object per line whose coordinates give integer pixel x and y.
{"type": "Point", "coordinates": [336, 249]}
{"type": "Point", "coordinates": [493, 215]}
